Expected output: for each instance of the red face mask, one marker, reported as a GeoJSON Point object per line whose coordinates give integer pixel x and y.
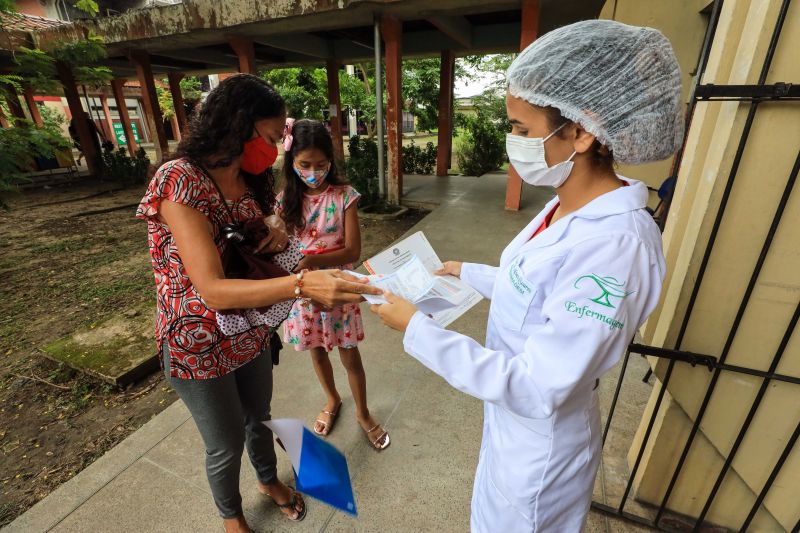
{"type": "Point", "coordinates": [258, 155]}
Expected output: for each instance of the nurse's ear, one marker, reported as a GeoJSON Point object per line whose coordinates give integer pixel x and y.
{"type": "Point", "coordinates": [582, 140]}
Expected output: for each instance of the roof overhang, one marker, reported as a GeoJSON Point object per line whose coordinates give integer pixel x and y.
{"type": "Point", "coordinates": [192, 37]}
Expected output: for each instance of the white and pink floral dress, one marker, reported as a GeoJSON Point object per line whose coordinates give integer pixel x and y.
{"type": "Point", "coordinates": [308, 326]}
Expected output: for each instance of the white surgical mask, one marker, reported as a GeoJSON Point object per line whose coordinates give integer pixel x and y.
{"type": "Point", "coordinates": [526, 154]}
{"type": "Point", "coordinates": [312, 178]}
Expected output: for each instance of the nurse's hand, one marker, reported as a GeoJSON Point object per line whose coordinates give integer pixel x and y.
{"type": "Point", "coordinates": [397, 313]}
{"type": "Point", "coordinates": [452, 268]}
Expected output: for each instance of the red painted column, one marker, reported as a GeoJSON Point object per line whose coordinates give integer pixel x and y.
{"type": "Point", "coordinates": [177, 102]}
{"type": "Point", "coordinates": [335, 103]}
{"type": "Point", "coordinates": [245, 51]}
{"type": "Point", "coordinates": [12, 99]}
{"type": "Point", "coordinates": [144, 73]}
{"type": "Point", "coordinates": [530, 30]}
{"type": "Point", "coordinates": [109, 124]}
{"type": "Point", "coordinates": [392, 31]}
{"type": "Point", "coordinates": [446, 81]}
{"type": "Point", "coordinates": [117, 87]}
{"type": "Point", "coordinates": [32, 107]}
{"type": "Point", "coordinates": [85, 134]}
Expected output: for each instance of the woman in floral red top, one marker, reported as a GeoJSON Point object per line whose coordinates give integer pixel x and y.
{"type": "Point", "coordinates": [226, 382]}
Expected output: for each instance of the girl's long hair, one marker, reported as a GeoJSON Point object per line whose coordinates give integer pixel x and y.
{"type": "Point", "coordinates": [226, 120]}
{"type": "Point", "coordinates": [306, 134]}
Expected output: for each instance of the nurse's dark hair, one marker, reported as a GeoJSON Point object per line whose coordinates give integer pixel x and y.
{"type": "Point", "coordinates": [306, 134]}
{"type": "Point", "coordinates": [601, 157]}
{"type": "Point", "coordinates": [225, 121]}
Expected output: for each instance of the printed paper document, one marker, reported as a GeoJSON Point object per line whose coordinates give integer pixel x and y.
{"type": "Point", "coordinates": [406, 269]}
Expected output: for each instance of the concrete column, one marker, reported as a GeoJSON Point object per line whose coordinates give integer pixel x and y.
{"type": "Point", "coordinates": [109, 124]}
{"type": "Point", "coordinates": [334, 101]}
{"type": "Point", "coordinates": [392, 30]}
{"type": "Point", "coordinates": [144, 72]}
{"type": "Point", "coordinates": [12, 99]}
{"type": "Point", "coordinates": [530, 30]}
{"type": "Point", "coordinates": [177, 101]}
{"type": "Point", "coordinates": [117, 86]}
{"type": "Point", "coordinates": [446, 81]}
{"type": "Point", "coordinates": [245, 51]}
{"type": "Point", "coordinates": [86, 136]}
{"type": "Point", "coordinates": [36, 116]}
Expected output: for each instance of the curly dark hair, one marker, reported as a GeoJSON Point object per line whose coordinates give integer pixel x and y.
{"type": "Point", "coordinates": [222, 125]}
{"type": "Point", "coordinates": [306, 134]}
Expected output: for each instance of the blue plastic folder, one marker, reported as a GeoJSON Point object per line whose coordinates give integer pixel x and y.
{"type": "Point", "coordinates": [319, 468]}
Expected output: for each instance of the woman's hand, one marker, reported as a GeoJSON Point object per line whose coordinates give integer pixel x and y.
{"type": "Point", "coordinates": [277, 238]}
{"type": "Point", "coordinates": [397, 313]}
{"type": "Point", "coordinates": [452, 268]}
{"type": "Point", "coordinates": [333, 287]}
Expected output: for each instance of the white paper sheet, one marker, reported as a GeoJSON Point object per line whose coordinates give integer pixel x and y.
{"type": "Point", "coordinates": [406, 269]}
{"type": "Point", "coordinates": [290, 431]}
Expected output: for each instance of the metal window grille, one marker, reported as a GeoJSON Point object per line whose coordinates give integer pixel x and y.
{"type": "Point", "coordinates": [755, 96]}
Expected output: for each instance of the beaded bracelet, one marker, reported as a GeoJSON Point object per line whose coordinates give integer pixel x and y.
{"type": "Point", "coordinates": [298, 284]}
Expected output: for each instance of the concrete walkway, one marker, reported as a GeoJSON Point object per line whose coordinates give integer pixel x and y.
{"type": "Point", "coordinates": [154, 481]}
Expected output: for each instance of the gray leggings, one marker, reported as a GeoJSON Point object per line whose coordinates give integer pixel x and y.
{"type": "Point", "coordinates": [228, 412]}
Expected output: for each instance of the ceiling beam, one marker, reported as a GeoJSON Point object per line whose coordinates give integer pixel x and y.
{"type": "Point", "coordinates": [304, 43]}
{"type": "Point", "coordinates": [458, 29]}
{"type": "Point", "coordinates": [159, 60]}
{"type": "Point", "coordinates": [201, 55]}
{"type": "Point", "coordinates": [266, 55]}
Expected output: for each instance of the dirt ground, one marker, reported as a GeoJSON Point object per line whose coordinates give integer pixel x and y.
{"type": "Point", "coordinates": [72, 257]}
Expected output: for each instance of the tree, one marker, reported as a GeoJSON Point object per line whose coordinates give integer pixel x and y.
{"type": "Point", "coordinates": [302, 88]}
{"type": "Point", "coordinates": [165, 101]}
{"type": "Point", "coordinates": [358, 92]}
{"type": "Point", "coordinates": [38, 67]}
{"type": "Point", "coordinates": [491, 102]}
{"type": "Point", "coordinates": [191, 88]}
{"type": "Point", "coordinates": [421, 91]}
{"type": "Point", "coordinates": [20, 145]}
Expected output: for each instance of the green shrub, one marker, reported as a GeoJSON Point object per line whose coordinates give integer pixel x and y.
{"type": "Point", "coordinates": [361, 169]}
{"type": "Point", "coordinates": [482, 147]}
{"type": "Point", "coordinates": [21, 144]}
{"type": "Point", "coordinates": [117, 165]}
{"type": "Point", "coordinates": [419, 161]}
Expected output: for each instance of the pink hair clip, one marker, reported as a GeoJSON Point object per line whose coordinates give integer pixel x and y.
{"type": "Point", "coordinates": [287, 134]}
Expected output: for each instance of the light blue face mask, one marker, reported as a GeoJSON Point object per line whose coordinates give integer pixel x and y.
{"type": "Point", "coordinates": [312, 178]}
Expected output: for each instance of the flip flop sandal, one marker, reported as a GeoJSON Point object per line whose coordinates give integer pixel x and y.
{"type": "Point", "coordinates": [291, 505]}
{"type": "Point", "coordinates": [327, 427]}
{"type": "Point", "coordinates": [376, 443]}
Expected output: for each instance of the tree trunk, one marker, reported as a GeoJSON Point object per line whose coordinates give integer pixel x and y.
{"type": "Point", "coordinates": [365, 79]}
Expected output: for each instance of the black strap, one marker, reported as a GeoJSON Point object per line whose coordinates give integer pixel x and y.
{"type": "Point", "coordinates": [273, 350]}
{"type": "Point", "coordinates": [207, 174]}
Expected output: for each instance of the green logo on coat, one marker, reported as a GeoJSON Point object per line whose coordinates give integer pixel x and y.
{"type": "Point", "coordinates": [610, 287]}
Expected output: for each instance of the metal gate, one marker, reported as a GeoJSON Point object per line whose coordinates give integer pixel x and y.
{"type": "Point", "coordinates": [755, 96]}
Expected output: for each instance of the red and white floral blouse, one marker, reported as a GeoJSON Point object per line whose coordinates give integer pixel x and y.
{"type": "Point", "coordinates": [197, 349]}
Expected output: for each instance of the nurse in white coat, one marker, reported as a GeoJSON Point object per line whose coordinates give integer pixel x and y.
{"type": "Point", "coordinates": [574, 286]}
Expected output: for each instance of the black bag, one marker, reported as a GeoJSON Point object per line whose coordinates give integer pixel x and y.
{"type": "Point", "coordinates": [240, 261]}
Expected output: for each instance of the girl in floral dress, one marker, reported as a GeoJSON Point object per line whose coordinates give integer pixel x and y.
{"type": "Point", "coordinates": [322, 209]}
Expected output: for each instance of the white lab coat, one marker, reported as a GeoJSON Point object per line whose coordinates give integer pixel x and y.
{"type": "Point", "coordinates": [564, 307]}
